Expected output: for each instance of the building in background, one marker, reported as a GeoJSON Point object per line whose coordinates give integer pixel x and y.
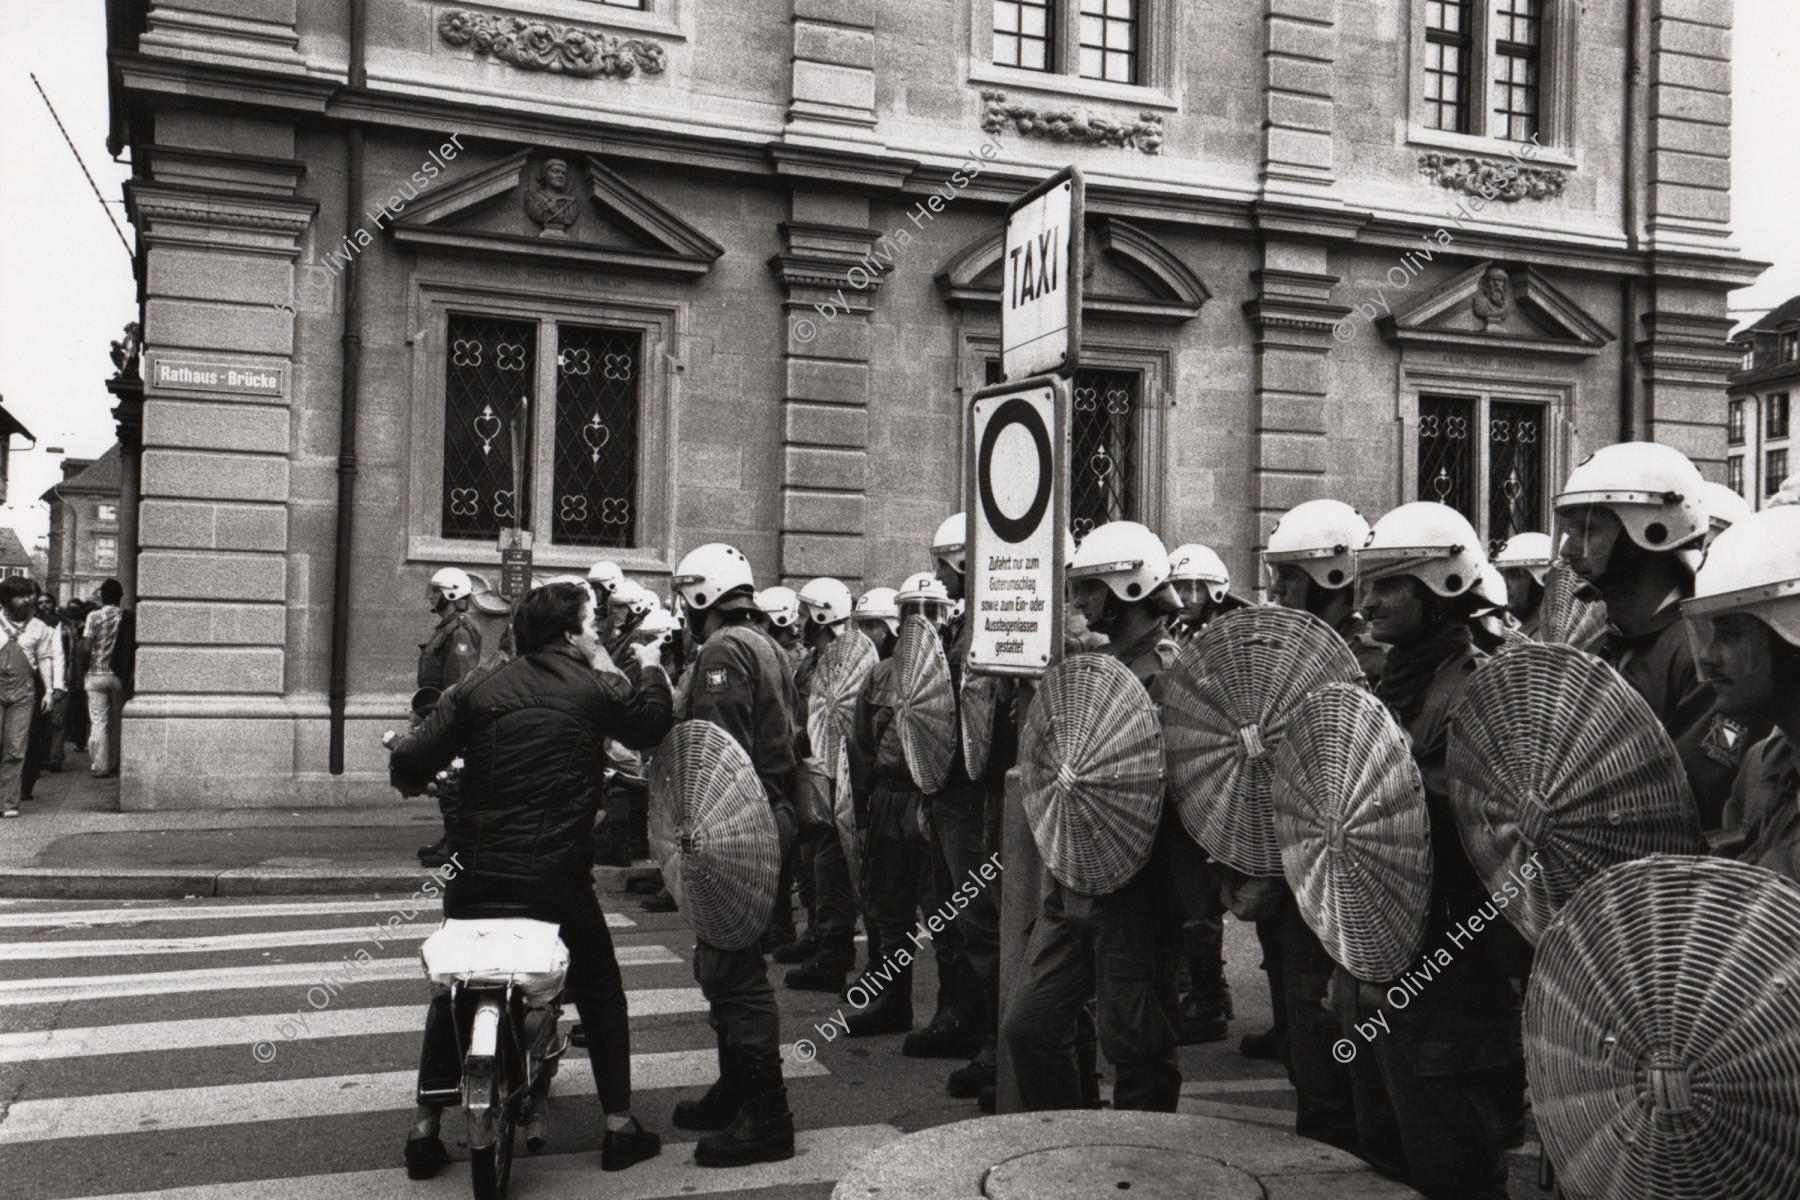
{"type": "Point", "coordinates": [14, 558]}
{"type": "Point", "coordinates": [742, 259]}
{"type": "Point", "coordinates": [9, 426]}
{"type": "Point", "coordinates": [83, 547]}
{"type": "Point", "coordinates": [1759, 405]}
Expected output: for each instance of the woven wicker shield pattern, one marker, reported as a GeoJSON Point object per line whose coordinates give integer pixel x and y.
{"type": "Point", "coordinates": [843, 668]}
{"type": "Point", "coordinates": [1571, 615]}
{"type": "Point", "coordinates": [1553, 755]}
{"type": "Point", "coordinates": [1355, 833]}
{"type": "Point", "coordinates": [1091, 761]}
{"type": "Point", "coordinates": [1662, 1034]}
{"type": "Point", "coordinates": [1225, 711]}
{"type": "Point", "coordinates": [980, 694]}
{"type": "Point", "coordinates": [843, 820]}
{"type": "Point", "coordinates": [714, 833]}
{"type": "Point", "coordinates": [927, 709]}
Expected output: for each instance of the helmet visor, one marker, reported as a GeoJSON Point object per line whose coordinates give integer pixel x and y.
{"type": "Point", "coordinates": [1729, 647]}
{"type": "Point", "coordinates": [1589, 533]}
{"type": "Point", "coordinates": [1385, 561]}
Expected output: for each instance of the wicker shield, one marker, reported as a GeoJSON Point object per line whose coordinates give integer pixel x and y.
{"type": "Point", "coordinates": [927, 708]}
{"type": "Point", "coordinates": [838, 678]}
{"type": "Point", "coordinates": [843, 821]}
{"type": "Point", "coordinates": [1572, 614]}
{"type": "Point", "coordinates": [1662, 1033]}
{"type": "Point", "coordinates": [714, 833]}
{"type": "Point", "coordinates": [979, 696]}
{"type": "Point", "coordinates": [1225, 711]}
{"type": "Point", "coordinates": [1091, 761]}
{"type": "Point", "coordinates": [1556, 762]}
{"type": "Point", "coordinates": [1355, 834]}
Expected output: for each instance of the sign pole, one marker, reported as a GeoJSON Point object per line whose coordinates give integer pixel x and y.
{"type": "Point", "coordinates": [515, 550]}
{"type": "Point", "coordinates": [1018, 506]}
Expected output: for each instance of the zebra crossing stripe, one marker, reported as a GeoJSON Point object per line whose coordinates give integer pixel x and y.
{"type": "Point", "coordinates": [268, 939]}
{"type": "Point", "coordinates": [321, 1096]}
{"type": "Point", "coordinates": [821, 1156]}
{"type": "Point", "coordinates": [277, 1029]}
{"type": "Point", "coordinates": [75, 988]}
{"type": "Point", "coordinates": [145, 915]}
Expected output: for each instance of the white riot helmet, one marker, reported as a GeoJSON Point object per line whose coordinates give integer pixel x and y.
{"type": "Point", "coordinates": [827, 601]}
{"type": "Point", "coordinates": [950, 542]}
{"type": "Point", "coordinates": [1126, 557]}
{"type": "Point", "coordinates": [925, 589]}
{"type": "Point", "coordinates": [633, 597]}
{"type": "Point", "coordinates": [1491, 587]}
{"type": "Point", "coordinates": [1527, 552]}
{"type": "Point", "coordinates": [1724, 507]}
{"type": "Point", "coordinates": [1321, 537]}
{"type": "Point", "coordinates": [1196, 563]}
{"type": "Point", "coordinates": [661, 626]}
{"type": "Point", "coordinates": [1431, 542]}
{"type": "Point", "coordinates": [1752, 568]}
{"type": "Point", "coordinates": [882, 604]}
{"type": "Point", "coordinates": [454, 582]}
{"type": "Point", "coordinates": [1655, 492]}
{"type": "Point", "coordinates": [605, 577]}
{"type": "Point", "coordinates": [781, 605]}
{"type": "Point", "coordinates": [710, 573]}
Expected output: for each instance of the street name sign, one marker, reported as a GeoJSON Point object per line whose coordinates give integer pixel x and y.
{"type": "Point", "coordinates": [1018, 510]}
{"type": "Point", "coordinates": [1040, 304]}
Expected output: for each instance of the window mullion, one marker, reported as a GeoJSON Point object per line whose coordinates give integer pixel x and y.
{"type": "Point", "coordinates": [543, 433]}
{"type": "Point", "coordinates": [1068, 37]}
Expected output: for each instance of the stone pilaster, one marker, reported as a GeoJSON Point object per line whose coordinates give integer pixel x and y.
{"type": "Point", "coordinates": [834, 70]}
{"type": "Point", "coordinates": [830, 276]}
{"type": "Point", "coordinates": [1299, 60]}
{"type": "Point", "coordinates": [1687, 366]}
{"type": "Point", "coordinates": [260, 34]}
{"type": "Point", "coordinates": [1291, 318]}
{"type": "Point", "coordinates": [1689, 148]}
{"type": "Point", "coordinates": [128, 417]}
{"type": "Point", "coordinates": [221, 231]}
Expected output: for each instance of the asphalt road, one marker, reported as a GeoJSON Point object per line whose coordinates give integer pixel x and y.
{"type": "Point", "coordinates": [131, 1034]}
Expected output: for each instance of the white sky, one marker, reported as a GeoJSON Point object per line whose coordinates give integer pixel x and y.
{"type": "Point", "coordinates": [65, 281]}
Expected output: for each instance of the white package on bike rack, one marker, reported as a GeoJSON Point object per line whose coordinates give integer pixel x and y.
{"type": "Point", "coordinates": [529, 953]}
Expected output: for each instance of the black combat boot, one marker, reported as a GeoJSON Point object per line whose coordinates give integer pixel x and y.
{"type": "Point", "coordinates": [764, 1128]}
{"type": "Point", "coordinates": [891, 1011]}
{"type": "Point", "coordinates": [826, 971]}
{"type": "Point", "coordinates": [968, 1081]}
{"type": "Point", "coordinates": [722, 1100]}
{"type": "Point", "coordinates": [797, 951]}
{"type": "Point", "coordinates": [950, 1035]}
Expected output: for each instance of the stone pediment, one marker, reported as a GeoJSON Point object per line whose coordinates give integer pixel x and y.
{"type": "Point", "coordinates": [1475, 311]}
{"type": "Point", "coordinates": [1130, 275]}
{"type": "Point", "coordinates": [584, 215]}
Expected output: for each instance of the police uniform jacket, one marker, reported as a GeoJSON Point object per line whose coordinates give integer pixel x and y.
{"type": "Point", "coordinates": [741, 683]}
{"type": "Point", "coordinates": [1766, 801]}
{"type": "Point", "coordinates": [1658, 662]}
{"type": "Point", "coordinates": [452, 651]}
{"type": "Point", "coordinates": [878, 760]}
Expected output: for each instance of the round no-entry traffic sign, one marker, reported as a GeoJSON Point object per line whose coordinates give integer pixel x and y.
{"type": "Point", "coordinates": [1015, 484]}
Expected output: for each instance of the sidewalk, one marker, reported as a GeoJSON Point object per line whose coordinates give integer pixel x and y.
{"type": "Point", "coordinates": [71, 842]}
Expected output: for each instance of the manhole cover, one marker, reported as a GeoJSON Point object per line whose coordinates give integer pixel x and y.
{"type": "Point", "coordinates": [1136, 1172]}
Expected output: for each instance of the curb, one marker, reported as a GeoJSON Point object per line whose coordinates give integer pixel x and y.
{"type": "Point", "coordinates": [176, 883]}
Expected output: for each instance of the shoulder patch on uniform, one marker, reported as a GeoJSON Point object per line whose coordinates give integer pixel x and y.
{"type": "Point", "coordinates": [1168, 651]}
{"type": "Point", "coordinates": [715, 679]}
{"type": "Point", "coordinates": [1725, 741]}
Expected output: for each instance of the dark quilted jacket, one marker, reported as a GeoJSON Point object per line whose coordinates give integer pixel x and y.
{"type": "Point", "coordinates": [532, 735]}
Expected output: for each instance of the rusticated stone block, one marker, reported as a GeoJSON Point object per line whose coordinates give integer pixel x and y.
{"type": "Point", "coordinates": [812, 554]}
{"type": "Point", "coordinates": [183, 525]}
{"type": "Point", "coordinates": [167, 621]}
{"type": "Point", "coordinates": [177, 575]}
{"type": "Point", "coordinates": [824, 425]}
{"type": "Point", "coordinates": [846, 470]}
{"type": "Point", "coordinates": [228, 426]}
{"type": "Point", "coordinates": [191, 669]}
{"type": "Point", "coordinates": [822, 512]}
{"type": "Point", "coordinates": [193, 476]}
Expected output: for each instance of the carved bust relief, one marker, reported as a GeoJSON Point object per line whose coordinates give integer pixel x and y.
{"type": "Point", "coordinates": [551, 201]}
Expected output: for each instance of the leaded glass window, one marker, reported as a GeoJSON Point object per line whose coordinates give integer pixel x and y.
{"type": "Point", "coordinates": [1515, 470]}
{"type": "Point", "coordinates": [489, 367]}
{"type": "Point", "coordinates": [1447, 452]}
{"type": "Point", "coordinates": [598, 372]}
{"type": "Point", "coordinates": [1103, 446]}
{"type": "Point", "coordinates": [1516, 31]}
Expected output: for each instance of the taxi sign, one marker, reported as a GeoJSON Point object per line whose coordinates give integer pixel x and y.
{"type": "Point", "coordinates": [1040, 303]}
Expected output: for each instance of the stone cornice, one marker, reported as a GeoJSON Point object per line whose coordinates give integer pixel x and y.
{"type": "Point", "coordinates": [218, 209]}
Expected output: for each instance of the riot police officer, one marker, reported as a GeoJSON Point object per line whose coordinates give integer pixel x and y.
{"type": "Point", "coordinates": [1524, 563]}
{"type": "Point", "coordinates": [1434, 1089]}
{"type": "Point", "coordinates": [740, 683]}
{"type": "Point", "coordinates": [1120, 948]}
{"type": "Point", "coordinates": [826, 606]}
{"type": "Point", "coordinates": [452, 651]}
{"type": "Point", "coordinates": [1633, 524]}
{"type": "Point", "coordinates": [1744, 621]}
{"type": "Point", "coordinates": [1202, 583]}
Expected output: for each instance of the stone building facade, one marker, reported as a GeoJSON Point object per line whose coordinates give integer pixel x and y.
{"type": "Point", "coordinates": [1759, 406]}
{"type": "Point", "coordinates": [83, 547]}
{"type": "Point", "coordinates": [740, 259]}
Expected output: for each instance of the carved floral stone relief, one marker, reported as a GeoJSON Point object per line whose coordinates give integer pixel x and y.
{"type": "Point", "coordinates": [1070, 125]}
{"type": "Point", "coordinates": [1492, 180]}
{"type": "Point", "coordinates": [540, 46]}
